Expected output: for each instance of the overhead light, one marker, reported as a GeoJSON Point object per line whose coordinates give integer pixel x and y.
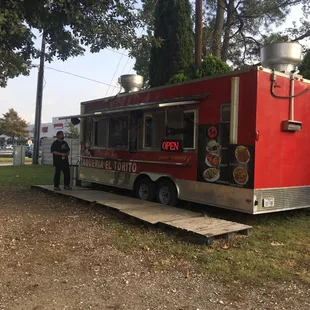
{"type": "Point", "coordinates": [170, 104]}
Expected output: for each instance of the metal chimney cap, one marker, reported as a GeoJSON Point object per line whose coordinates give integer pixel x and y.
{"type": "Point", "coordinates": [282, 57]}
{"type": "Point", "coordinates": [131, 82]}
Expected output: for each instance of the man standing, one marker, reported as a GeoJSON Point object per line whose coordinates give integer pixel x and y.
{"type": "Point", "coordinates": [60, 150]}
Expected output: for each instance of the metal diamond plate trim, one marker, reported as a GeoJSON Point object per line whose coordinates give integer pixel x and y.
{"type": "Point", "coordinates": [285, 198]}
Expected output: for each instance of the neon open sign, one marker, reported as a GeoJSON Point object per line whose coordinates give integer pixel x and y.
{"type": "Point", "coordinates": [171, 145]}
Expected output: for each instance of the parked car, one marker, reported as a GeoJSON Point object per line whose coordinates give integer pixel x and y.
{"type": "Point", "coordinates": [6, 152]}
{"type": "Point", "coordinates": [29, 151]}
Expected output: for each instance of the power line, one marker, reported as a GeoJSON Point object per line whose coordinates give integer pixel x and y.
{"type": "Point", "coordinates": [117, 52]}
{"type": "Point", "coordinates": [79, 76]}
{"type": "Point", "coordinates": [119, 62]}
{"type": "Point", "coordinates": [125, 65]}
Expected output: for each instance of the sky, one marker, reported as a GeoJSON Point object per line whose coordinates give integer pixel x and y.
{"type": "Point", "coordinates": [63, 93]}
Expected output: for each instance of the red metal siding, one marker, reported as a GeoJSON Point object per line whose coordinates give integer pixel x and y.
{"type": "Point", "coordinates": [219, 92]}
{"type": "Point", "coordinates": [281, 158]}
{"type": "Point", "coordinates": [188, 172]}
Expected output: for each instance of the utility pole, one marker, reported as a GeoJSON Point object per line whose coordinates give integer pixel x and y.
{"type": "Point", "coordinates": [198, 34]}
{"type": "Point", "coordinates": [37, 122]}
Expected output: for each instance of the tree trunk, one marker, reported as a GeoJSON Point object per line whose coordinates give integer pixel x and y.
{"type": "Point", "coordinates": [198, 34]}
{"type": "Point", "coordinates": [218, 28]}
{"type": "Point", "coordinates": [228, 25]}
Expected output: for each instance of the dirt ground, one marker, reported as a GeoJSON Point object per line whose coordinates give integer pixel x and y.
{"type": "Point", "coordinates": [56, 253]}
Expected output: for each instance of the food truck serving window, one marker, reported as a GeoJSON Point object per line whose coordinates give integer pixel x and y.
{"type": "Point", "coordinates": [154, 129]}
{"type": "Point", "coordinates": [101, 132]}
{"type": "Point", "coordinates": [118, 132]}
{"type": "Point", "coordinates": [189, 125]}
{"type": "Point", "coordinates": [181, 125]}
{"type": "Point", "coordinates": [172, 122]}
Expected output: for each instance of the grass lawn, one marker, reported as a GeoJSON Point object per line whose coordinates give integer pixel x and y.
{"type": "Point", "coordinates": [26, 175]}
{"type": "Point", "coordinates": [278, 249]}
{"type": "Point", "coordinates": [10, 159]}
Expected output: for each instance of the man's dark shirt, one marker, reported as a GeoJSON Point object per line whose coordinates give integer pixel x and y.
{"type": "Point", "coordinates": [61, 147]}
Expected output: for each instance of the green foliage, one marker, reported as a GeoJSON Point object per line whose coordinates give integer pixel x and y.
{"type": "Point", "coordinates": [67, 27]}
{"type": "Point", "coordinates": [141, 50]}
{"type": "Point", "coordinates": [12, 125]}
{"type": "Point", "coordinates": [304, 68]}
{"type": "Point", "coordinates": [246, 25]}
{"type": "Point", "coordinates": [210, 66]}
{"type": "Point", "coordinates": [174, 30]}
{"type": "Point", "coordinates": [72, 132]}
{"type": "Point", "coordinates": [178, 78]}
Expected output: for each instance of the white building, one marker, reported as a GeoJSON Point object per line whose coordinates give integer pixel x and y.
{"type": "Point", "coordinates": [49, 130]}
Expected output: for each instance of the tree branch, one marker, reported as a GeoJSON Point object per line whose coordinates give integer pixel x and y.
{"type": "Point", "coordinates": [303, 36]}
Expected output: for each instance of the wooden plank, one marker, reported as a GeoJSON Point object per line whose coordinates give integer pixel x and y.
{"type": "Point", "coordinates": [123, 203]}
{"type": "Point", "coordinates": [195, 223]}
{"type": "Point", "coordinates": [202, 229]}
{"type": "Point", "coordinates": [226, 228]}
{"type": "Point", "coordinates": [201, 222]}
{"type": "Point", "coordinates": [208, 226]}
{"type": "Point", "coordinates": [224, 231]}
{"type": "Point", "coordinates": [160, 214]}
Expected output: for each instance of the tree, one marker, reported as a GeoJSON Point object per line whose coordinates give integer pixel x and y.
{"type": "Point", "coordinates": [211, 65]}
{"type": "Point", "coordinates": [235, 31]}
{"type": "Point", "coordinates": [241, 28]}
{"type": "Point", "coordinates": [72, 132]}
{"type": "Point", "coordinates": [68, 26]}
{"type": "Point", "coordinates": [13, 126]}
{"type": "Point", "coordinates": [141, 48]}
{"type": "Point", "coordinates": [174, 28]}
{"type": "Point", "coordinates": [304, 67]}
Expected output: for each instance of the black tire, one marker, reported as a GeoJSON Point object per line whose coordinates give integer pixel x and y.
{"type": "Point", "coordinates": [146, 189]}
{"type": "Point", "coordinates": [167, 193]}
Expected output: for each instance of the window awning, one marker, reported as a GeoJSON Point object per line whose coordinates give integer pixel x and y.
{"type": "Point", "coordinates": [141, 106]}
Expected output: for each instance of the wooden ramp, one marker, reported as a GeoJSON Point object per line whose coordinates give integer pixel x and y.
{"type": "Point", "coordinates": [202, 228]}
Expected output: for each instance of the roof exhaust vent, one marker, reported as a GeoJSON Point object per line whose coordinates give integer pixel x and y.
{"type": "Point", "coordinates": [131, 82]}
{"type": "Point", "coordinates": [283, 57]}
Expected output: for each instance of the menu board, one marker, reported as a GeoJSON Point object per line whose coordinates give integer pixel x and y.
{"type": "Point", "coordinates": [213, 159]}
{"type": "Point", "coordinates": [242, 166]}
{"type": "Point", "coordinates": [222, 163]}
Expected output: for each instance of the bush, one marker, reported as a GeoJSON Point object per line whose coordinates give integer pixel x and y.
{"type": "Point", "coordinates": [178, 78]}
{"type": "Point", "coordinates": [211, 65]}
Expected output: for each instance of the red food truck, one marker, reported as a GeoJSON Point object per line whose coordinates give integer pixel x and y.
{"type": "Point", "coordinates": [237, 141]}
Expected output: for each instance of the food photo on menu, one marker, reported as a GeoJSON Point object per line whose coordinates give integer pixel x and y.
{"type": "Point", "coordinates": [242, 154]}
{"type": "Point", "coordinates": [240, 173]}
{"type": "Point", "coordinates": [213, 161]}
{"type": "Point", "coordinates": [213, 147]}
{"type": "Point", "coordinates": [211, 174]}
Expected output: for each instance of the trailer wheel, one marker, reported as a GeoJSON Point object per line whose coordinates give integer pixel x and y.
{"type": "Point", "coordinates": [146, 189]}
{"type": "Point", "coordinates": [167, 193]}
